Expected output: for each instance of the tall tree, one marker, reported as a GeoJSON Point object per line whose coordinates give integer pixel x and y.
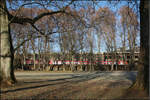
{"type": "Point", "coordinates": [142, 80]}
{"type": "Point", "coordinates": [6, 50]}
{"type": "Point", "coordinates": [130, 25]}
{"type": "Point", "coordinates": [106, 21]}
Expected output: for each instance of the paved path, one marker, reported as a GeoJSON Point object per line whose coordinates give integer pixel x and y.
{"type": "Point", "coordinates": [83, 85]}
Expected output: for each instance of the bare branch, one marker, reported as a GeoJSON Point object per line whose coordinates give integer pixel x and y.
{"type": "Point", "coordinates": [19, 20]}
{"type": "Point", "coordinates": [25, 41]}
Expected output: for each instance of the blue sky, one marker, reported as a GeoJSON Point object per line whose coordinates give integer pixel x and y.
{"type": "Point", "coordinates": [112, 6]}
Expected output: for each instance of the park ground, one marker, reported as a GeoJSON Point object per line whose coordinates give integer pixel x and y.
{"type": "Point", "coordinates": [77, 85]}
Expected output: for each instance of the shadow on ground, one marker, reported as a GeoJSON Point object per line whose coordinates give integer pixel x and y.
{"type": "Point", "coordinates": [73, 79]}
{"type": "Point", "coordinates": [77, 78]}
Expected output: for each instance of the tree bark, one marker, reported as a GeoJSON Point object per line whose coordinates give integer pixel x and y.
{"type": "Point", "coordinates": [6, 49]}
{"type": "Point", "coordinates": [33, 48]}
{"type": "Point", "coordinates": [142, 80]}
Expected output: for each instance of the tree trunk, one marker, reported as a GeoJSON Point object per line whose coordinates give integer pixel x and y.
{"type": "Point", "coordinates": [39, 53]}
{"type": "Point", "coordinates": [33, 48]}
{"type": "Point", "coordinates": [142, 80]}
{"type": "Point", "coordinates": [112, 66]}
{"type": "Point", "coordinates": [6, 49]}
{"type": "Point", "coordinates": [34, 60]}
{"type": "Point", "coordinates": [72, 63]}
{"type": "Point", "coordinates": [24, 61]}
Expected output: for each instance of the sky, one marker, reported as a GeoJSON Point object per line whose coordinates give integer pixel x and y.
{"type": "Point", "coordinates": [114, 7]}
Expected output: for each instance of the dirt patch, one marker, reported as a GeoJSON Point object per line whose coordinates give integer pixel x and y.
{"type": "Point", "coordinates": [96, 85]}
{"type": "Point", "coordinates": [135, 94]}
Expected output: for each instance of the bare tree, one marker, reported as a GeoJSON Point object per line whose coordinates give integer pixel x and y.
{"type": "Point", "coordinates": [130, 27]}
{"type": "Point", "coordinates": [6, 68]}
{"type": "Point", "coordinates": [105, 22]}
{"type": "Point", "coordinates": [142, 80]}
